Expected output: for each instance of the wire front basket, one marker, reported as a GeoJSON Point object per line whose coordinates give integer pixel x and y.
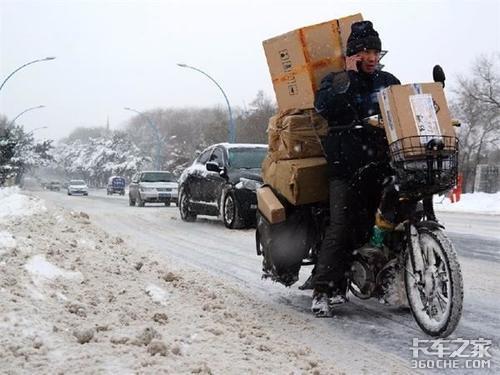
{"type": "Point", "coordinates": [425, 165]}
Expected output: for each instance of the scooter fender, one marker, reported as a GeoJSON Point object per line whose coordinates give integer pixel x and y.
{"type": "Point", "coordinates": [415, 250]}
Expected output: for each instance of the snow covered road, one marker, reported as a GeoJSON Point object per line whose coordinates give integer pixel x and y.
{"type": "Point", "coordinates": [363, 334]}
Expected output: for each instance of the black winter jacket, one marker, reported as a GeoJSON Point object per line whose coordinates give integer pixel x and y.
{"type": "Point", "coordinates": [347, 150]}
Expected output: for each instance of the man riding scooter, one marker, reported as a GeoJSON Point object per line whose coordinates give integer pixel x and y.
{"type": "Point", "coordinates": [348, 148]}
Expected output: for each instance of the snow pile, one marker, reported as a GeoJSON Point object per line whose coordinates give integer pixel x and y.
{"type": "Point", "coordinates": [41, 269]}
{"type": "Point", "coordinates": [157, 294]}
{"type": "Point", "coordinates": [69, 305]}
{"type": "Point", "coordinates": [13, 203]}
{"type": "Point", "coordinates": [6, 241]}
{"type": "Point", "coordinates": [480, 203]}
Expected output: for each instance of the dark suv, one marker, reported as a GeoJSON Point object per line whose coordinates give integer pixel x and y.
{"type": "Point", "coordinates": [54, 186]}
{"type": "Point", "coordinates": [116, 185]}
{"type": "Point", "coordinates": [222, 181]}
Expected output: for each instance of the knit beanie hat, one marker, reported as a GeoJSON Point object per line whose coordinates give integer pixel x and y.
{"type": "Point", "coordinates": [362, 37]}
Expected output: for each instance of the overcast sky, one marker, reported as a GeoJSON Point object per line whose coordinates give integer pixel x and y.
{"type": "Point", "coordinates": [112, 54]}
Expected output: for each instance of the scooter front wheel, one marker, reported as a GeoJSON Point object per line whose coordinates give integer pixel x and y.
{"type": "Point", "coordinates": [435, 293]}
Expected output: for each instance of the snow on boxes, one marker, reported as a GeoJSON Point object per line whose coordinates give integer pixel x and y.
{"type": "Point", "coordinates": [295, 168]}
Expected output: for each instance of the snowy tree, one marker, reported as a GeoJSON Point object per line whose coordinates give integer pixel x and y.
{"type": "Point", "coordinates": [477, 104]}
{"type": "Point", "coordinates": [181, 133]}
{"type": "Point", "coordinates": [253, 123]}
{"type": "Point", "coordinates": [84, 134]}
{"type": "Point", "coordinates": [7, 145]}
{"type": "Point", "coordinates": [19, 152]}
{"type": "Point", "coordinates": [184, 132]}
{"type": "Point", "coordinates": [100, 158]}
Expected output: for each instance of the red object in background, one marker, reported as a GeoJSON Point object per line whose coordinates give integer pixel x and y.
{"type": "Point", "coordinates": [456, 192]}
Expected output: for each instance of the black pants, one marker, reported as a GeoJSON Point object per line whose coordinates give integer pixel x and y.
{"type": "Point", "coordinates": [333, 258]}
{"type": "Point", "coordinates": [352, 215]}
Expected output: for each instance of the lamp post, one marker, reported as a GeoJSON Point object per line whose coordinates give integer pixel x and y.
{"type": "Point", "coordinates": [22, 113]}
{"type": "Point", "coordinates": [31, 132]}
{"type": "Point", "coordinates": [23, 66]}
{"type": "Point", "coordinates": [232, 128]}
{"type": "Point", "coordinates": [41, 127]}
{"type": "Point", "coordinates": [156, 132]}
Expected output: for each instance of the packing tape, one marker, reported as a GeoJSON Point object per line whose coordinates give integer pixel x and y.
{"type": "Point", "coordinates": [417, 88]}
{"type": "Point", "coordinates": [387, 110]}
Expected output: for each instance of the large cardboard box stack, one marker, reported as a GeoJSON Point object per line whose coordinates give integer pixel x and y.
{"type": "Point", "coordinates": [299, 59]}
{"type": "Point", "coordinates": [296, 134]}
{"type": "Point", "coordinates": [299, 181]}
{"type": "Point", "coordinates": [412, 110]}
{"type": "Point", "coordinates": [295, 166]}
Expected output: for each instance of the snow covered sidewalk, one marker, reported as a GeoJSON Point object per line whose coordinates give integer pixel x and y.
{"type": "Point", "coordinates": [74, 299]}
{"type": "Point", "coordinates": [14, 204]}
{"type": "Point", "coordinates": [475, 203]}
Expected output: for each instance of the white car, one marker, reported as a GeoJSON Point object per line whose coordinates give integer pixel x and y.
{"type": "Point", "coordinates": [152, 187]}
{"type": "Point", "coordinates": [78, 187]}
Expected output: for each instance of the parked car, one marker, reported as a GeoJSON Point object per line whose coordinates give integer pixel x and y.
{"type": "Point", "coordinates": [116, 185]}
{"type": "Point", "coordinates": [53, 186]}
{"type": "Point", "coordinates": [222, 181]}
{"type": "Point", "coordinates": [152, 187]}
{"type": "Point", "coordinates": [78, 187]}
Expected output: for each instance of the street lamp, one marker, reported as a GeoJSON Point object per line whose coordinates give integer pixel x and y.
{"type": "Point", "coordinates": [22, 113]}
{"type": "Point", "coordinates": [232, 128]}
{"type": "Point", "coordinates": [23, 66]}
{"type": "Point", "coordinates": [155, 131]}
{"type": "Point", "coordinates": [41, 127]}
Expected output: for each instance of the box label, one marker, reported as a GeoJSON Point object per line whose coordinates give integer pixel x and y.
{"type": "Point", "coordinates": [390, 121]}
{"type": "Point", "coordinates": [286, 64]}
{"type": "Point", "coordinates": [424, 115]}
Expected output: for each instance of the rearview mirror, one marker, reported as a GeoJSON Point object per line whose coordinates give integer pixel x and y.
{"type": "Point", "coordinates": [438, 74]}
{"type": "Point", "coordinates": [456, 123]}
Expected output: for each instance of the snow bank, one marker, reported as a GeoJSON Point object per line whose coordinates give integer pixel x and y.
{"type": "Point", "coordinates": [157, 294]}
{"type": "Point", "coordinates": [41, 269]}
{"type": "Point", "coordinates": [478, 203]}
{"type": "Point", "coordinates": [6, 241]}
{"type": "Point", "coordinates": [74, 299]}
{"type": "Point", "coordinates": [15, 204]}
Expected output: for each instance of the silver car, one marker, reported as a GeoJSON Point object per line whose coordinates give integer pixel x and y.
{"type": "Point", "coordinates": [152, 187]}
{"type": "Point", "coordinates": [78, 187]}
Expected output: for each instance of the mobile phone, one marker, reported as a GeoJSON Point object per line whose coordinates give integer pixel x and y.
{"type": "Point", "coordinates": [358, 65]}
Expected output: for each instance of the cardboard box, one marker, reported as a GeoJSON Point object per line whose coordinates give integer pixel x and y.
{"type": "Point", "coordinates": [415, 110]}
{"type": "Point", "coordinates": [300, 181]}
{"type": "Point", "coordinates": [300, 59]}
{"type": "Point", "coordinates": [296, 134]}
{"type": "Point", "coordinates": [270, 206]}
